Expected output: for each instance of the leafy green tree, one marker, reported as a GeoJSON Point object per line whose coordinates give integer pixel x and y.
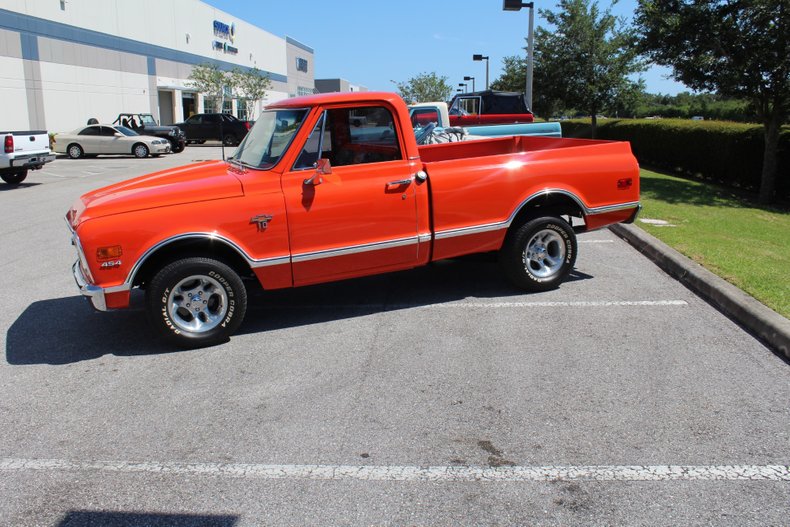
{"type": "Point", "coordinates": [425, 87]}
{"type": "Point", "coordinates": [544, 97]}
{"type": "Point", "coordinates": [250, 85]}
{"type": "Point", "coordinates": [586, 59]}
{"type": "Point", "coordinates": [209, 80]}
{"type": "Point", "coordinates": [738, 48]}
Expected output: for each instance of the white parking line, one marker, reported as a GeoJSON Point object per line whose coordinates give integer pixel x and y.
{"type": "Point", "coordinates": [595, 241]}
{"type": "Point", "coordinates": [416, 473]}
{"type": "Point", "coordinates": [481, 305]}
{"type": "Point", "coordinates": [562, 304]}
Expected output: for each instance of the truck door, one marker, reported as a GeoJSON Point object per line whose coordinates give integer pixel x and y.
{"type": "Point", "coordinates": [361, 218]}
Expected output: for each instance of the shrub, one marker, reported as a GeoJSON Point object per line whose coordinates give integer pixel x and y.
{"type": "Point", "coordinates": [721, 151]}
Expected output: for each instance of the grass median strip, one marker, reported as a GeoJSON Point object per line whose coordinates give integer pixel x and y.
{"type": "Point", "coordinates": [733, 237]}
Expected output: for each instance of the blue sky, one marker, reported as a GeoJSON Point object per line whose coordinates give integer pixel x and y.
{"type": "Point", "coordinates": [371, 42]}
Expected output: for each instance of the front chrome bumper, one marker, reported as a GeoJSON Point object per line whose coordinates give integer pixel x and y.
{"type": "Point", "coordinates": [93, 293]}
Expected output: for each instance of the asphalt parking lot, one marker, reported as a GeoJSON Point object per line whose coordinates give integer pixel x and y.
{"type": "Point", "coordinates": [438, 396]}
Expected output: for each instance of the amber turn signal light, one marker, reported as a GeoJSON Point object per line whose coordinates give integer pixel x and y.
{"type": "Point", "coordinates": [105, 253]}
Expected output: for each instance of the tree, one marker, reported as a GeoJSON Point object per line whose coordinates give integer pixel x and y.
{"type": "Point", "coordinates": [586, 59]}
{"type": "Point", "coordinates": [545, 101]}
{"type": "Point", "coordinates": [211, 82]}
{"type": "Point", "coordinates": [425, 87]}
{"type": "Point", "coordinates": [738, 48]}
{"type": "Point", "coordinates": [251, 86]}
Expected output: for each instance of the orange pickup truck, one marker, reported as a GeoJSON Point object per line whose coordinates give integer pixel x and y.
{"type": "Point", "coordinates": [315, 193]}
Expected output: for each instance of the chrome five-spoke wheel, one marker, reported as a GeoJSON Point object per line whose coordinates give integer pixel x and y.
{"type": "Point", "coordinates": [545, 253]}
{"type": "Point", "coordinates": [197, 304]}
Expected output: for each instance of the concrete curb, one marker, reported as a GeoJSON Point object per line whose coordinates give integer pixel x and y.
{"type": "Point", "coordinates": [760, 320]}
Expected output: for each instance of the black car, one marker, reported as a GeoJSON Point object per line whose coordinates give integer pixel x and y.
{"type": "Point", "coordinates": [145, 124]}
{"type": "Point", "coordinates": [203, 127]}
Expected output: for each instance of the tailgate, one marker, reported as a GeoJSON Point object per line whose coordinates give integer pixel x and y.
{"type": "Point", "coordinates": [30, 142]}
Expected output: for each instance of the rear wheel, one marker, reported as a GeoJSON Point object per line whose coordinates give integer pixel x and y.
{"type": "Point", "coordinates": [140, 150]}
{"type": "Point", "coordinates": [196, 302]}
{"type": "Point", "coordinates": [75, 151]}
{"type": "Point", "coordinates": [230, 140]}
{"type": "Point", "coordinates": [538, 255]}
{"type": "Point", "coordinates": [15, 178]}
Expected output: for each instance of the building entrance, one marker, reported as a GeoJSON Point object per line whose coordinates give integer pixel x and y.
{"type": "Point", "coordinates": [189, 103]}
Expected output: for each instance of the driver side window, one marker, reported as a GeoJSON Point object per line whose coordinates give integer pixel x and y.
{"type": "Point", "coordinates": [352, 136]}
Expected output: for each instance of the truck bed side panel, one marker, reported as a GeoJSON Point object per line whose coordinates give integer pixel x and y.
{"type": "Point", "coordinates": [476, 196]}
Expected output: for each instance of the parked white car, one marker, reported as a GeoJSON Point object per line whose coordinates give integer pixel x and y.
{"type": "Point", "coordinates": [97, 139]}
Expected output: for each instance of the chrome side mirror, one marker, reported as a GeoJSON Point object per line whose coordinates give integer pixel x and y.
{"type": "Point", "coordinates": [322, 168]}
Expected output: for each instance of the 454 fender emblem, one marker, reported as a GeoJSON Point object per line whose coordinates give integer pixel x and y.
{"type": "Point", "coordinates": [110, 265]}
{"type": "Point", "coordinates": [262, 221]}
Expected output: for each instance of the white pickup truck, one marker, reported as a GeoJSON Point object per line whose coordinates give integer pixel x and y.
{"type": "Point", "coordinates": [431, 121]}
{"type": "Point", "coordinates": [23, 151]}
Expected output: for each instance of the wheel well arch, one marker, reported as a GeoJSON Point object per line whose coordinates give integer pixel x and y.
{"type": "Point", "coordinates": [548, 203]}
{"type": "Point", "coordinates": [185, 247]}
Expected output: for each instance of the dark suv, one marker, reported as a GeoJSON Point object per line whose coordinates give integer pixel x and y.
{"type": "Point", "coordinates": [217, 126]}
{"type": "Point", "coordinates": [145, 124]}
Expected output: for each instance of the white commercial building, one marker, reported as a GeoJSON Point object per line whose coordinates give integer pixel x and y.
{"type": "Point", "coordinates": [65, 61]}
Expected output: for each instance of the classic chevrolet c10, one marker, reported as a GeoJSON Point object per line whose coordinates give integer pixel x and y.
{"type": "Point", "coordinates": [310, 197]}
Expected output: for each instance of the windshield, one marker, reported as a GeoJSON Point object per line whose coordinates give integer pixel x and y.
{"type": "Point", "coordinates": [147, 119]}
{"type": "Point", "coordinates": [126, 131]}
{"type": "Point", "coordinates": [269, 138]}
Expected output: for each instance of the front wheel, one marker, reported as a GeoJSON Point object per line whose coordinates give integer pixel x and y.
{"type": "Point", "coordinates": [538, 255]}
{"type": "Point", "coordinates": [75, 151]}
{"type": "Point", "coordinates": [196, 302]}
{"type": "Point", "coordinates": [229, 140]}
{"type": "Point", "coordinates": [140, 150]}
{"type": "Point", "coordinates": [15, 178]}
{"type": "Point", "coordinates": [176, 148]}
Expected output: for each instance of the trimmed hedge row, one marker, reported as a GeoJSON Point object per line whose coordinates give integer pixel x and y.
{"type": "Point", "coordinates": [725, 152]}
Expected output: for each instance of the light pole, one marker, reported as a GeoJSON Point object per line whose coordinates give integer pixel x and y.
{"type": "Point", "coordinates": [516, 5]}
{"type": "Point", "coordinates": [473, 82]}
{"type": "Point", "coordinates": [481, 57]}
{"type": "Point", "coordinates": [465, 86]}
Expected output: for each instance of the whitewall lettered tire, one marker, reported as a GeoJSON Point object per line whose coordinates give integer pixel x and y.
{"type": "Point", "coordinates": [196, 302]}
{"type": "Point", "coordinates": [538, 255]}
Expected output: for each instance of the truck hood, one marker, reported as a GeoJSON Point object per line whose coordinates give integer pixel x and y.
{"type": "Point", "coordinates": [205, 181]}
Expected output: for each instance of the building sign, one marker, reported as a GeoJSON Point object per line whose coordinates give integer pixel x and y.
{"type": "Point", "coordinates": [224, 47]}
{"type": "Point", "coordinates": [223, 30]}
{"type": "Point", "coordinates": [228, 34]}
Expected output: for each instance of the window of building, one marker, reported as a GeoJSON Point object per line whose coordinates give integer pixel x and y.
{"type": "Point", "coordinates": [301, 90]}
{"type": "Point", "coordinates": [301, 64]}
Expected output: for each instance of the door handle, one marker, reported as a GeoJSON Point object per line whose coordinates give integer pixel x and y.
{"type": "Point", "coordinates": [399, 182]}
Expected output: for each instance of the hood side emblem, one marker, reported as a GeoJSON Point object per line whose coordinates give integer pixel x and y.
{"type": "Point", "coordinates": [262, 221]}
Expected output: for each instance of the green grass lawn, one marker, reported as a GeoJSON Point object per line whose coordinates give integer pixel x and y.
{"type": "Point", "coordinates": [744, 243]}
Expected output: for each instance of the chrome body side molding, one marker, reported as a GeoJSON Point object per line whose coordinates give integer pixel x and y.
{"type": "Point", "coordinates": [355, 249]}
{"type": "Point", "coordinates": [586, 211]}
{"type": "Point", "coordinates": [252, 262]}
